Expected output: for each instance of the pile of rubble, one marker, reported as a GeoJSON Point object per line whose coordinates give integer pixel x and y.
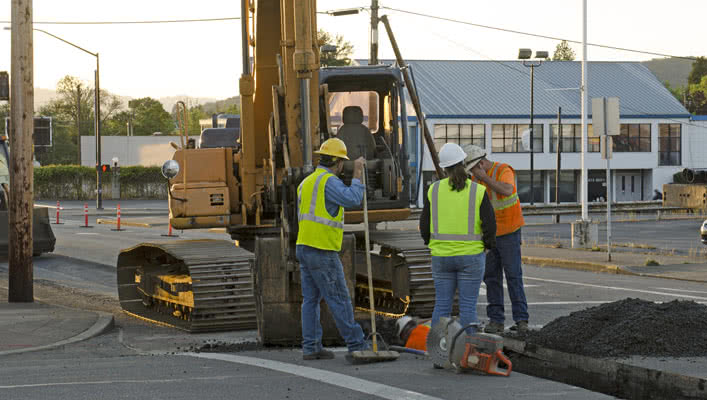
{"type": "Point", "coordinates": [629, 327]}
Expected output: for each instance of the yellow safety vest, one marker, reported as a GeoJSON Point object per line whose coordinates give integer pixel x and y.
{"type": "Point", "coordinates": [317, 228]}
{"type": "Point", "coordinates": [455, 225]}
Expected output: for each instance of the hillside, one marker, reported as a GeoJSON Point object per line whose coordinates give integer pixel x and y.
{"type": "Point", "coordinates": [672, 70]}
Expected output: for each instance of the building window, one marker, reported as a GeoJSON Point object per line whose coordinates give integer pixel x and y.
{"type": "Point", "coordinates": [523, 186]}
{"type": "Point", "coordinates": [508, 138]}
{"type": "Point", "coordinates": [572, 139]}
{"type": "Point", "coordinates": [568, 187]}
{"type": "Point", "coordinates": [460, 134]}
{"type": "Point", "coordinates": [669, 150]}
{"type": "Point", "coordinates": [633, 138]}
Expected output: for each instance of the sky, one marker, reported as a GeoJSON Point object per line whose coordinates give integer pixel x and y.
{"type": "Point", "coordinates": [203, 59]}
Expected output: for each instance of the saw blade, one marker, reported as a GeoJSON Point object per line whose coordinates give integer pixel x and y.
{"type": "Point", "coordinates": [437, 347]}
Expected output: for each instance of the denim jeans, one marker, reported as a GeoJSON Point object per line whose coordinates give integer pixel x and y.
{"type": "Point", "coordinates": [323, 278]}
{"type": "Point", "coordinates": [505, 258]}
{"type": "Point", "coordinates": [450, 273]}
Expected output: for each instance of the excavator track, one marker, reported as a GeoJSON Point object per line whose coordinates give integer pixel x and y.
{"type": "Point", "coordinates": [409, 253]}
{"type": "Point", "coordinates": [195, 285]}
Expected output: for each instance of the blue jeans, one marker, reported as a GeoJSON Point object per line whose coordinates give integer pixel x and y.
{"type": "Point", "coordinates": [505, 258]}
{"type": "Point", "coordinates": [323, 278]}
{"type": "Point", "coordinates": [464, 272]}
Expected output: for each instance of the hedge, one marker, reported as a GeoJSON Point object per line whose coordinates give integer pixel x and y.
{"type": "Point", "coordinates": [73, 182]}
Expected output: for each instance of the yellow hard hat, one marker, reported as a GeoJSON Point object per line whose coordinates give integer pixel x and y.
{"type": "Point", "coordinates": [333, 147]}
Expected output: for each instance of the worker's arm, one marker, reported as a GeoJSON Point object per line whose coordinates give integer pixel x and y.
{"type": "Point", "coordinates": [501, 186]}
{"type": "Point", "coordinates": [340, 194]}
{"type": "Point", "coordinates": [425, 221]}
{"type": "Point", "coordinates": [488, 223]}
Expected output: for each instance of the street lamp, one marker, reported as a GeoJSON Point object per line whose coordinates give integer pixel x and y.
{"type": "Point", "coordinates": [97, 100]}
{"type": "Point", "coordinates": [526, 54]}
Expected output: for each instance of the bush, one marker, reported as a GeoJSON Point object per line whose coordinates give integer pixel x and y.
{"type": "Point", "coordinates": [74, 182]}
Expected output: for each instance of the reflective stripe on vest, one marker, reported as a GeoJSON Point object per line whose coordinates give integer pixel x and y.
{"type": "Point", "coordinates": [504, 202]}
{"type": "Point", "coordinates": [310, 216]}
{"type": "Point", "coordinates": [434, 211]}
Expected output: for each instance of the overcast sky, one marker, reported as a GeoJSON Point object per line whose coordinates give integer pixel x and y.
{"type": "Point", "coordinates": [204, 59]}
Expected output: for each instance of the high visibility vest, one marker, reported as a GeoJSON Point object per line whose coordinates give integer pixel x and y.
{"type": "Point", "coordinates": [455, 225]}
{"type": "Point", "coordinates": [317, 228]}
{"type": "Point", "coordinates": [509, 216]}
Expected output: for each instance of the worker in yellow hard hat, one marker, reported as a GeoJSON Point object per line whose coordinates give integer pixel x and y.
{"type": "Point", "coordinates": [322, 198]}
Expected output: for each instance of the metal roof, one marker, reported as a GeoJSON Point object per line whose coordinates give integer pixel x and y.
{"type": "Point", "coordinates": [501, 89]}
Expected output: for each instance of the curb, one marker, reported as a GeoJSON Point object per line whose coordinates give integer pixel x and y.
{"type": "Point", "coordinates": [126, 223]}
{"type": "Point", "coordinates": [576, 265]}
{"type": "Point", "coordinates": [103, 324]}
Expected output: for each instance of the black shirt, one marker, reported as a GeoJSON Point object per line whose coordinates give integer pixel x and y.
{"type": "Point", "coordinates": [486, 213]}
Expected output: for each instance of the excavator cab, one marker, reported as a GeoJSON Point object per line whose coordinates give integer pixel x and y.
{"type": "Point", "coordinates": [377, 134]}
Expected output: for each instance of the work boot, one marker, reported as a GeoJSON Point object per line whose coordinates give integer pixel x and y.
{"type": "Point", "coordinates": [521, 327]}
{"type": "Point", "coordinates": [322, 354]}
{"type": "Point", "coordinates": [495, 328]}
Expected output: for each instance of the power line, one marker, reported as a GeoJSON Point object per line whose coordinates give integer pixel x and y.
{"type": "Point", "coordinates": [534, 34]}
{"type": "Point", "coordinates": [169, 21]}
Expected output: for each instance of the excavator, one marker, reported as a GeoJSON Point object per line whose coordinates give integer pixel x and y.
{"type": "Point", "coordinates": [250, 189]}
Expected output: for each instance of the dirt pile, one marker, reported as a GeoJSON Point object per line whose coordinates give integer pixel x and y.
{"type": "Point", "coordinates": [629, 327]}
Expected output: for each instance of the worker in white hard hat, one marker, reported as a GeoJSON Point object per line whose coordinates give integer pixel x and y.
{"type": "Point", "coordinates": [458, 225]}
{"type": "Point", "coordinates": [322, 197]}
{"type": "Point", "coordinates": [500, 182]}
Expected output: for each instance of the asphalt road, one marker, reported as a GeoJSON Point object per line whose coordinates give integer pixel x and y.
{"type": "Point", "coordinates": [140, 360]}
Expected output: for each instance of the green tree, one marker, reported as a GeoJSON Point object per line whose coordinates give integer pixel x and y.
{"type": "Point", "coordinates": [4, 112]}
{"type": "Point", "coordinates": [563, 52]}
{"type": "Point", "coordinates": [335, 58]}
{"type": "Point", "coordinates": [149, 116]}
{"type": "Point", "coordinates": [697, 97]}
{"type": "Point", "coordinates": [679, 92]}
{"type": "Point", "coordinates": [195, 115]}
{"type": "Point", "coordinates": [699, 69]}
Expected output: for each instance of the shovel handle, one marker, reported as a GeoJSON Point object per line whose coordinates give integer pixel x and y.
{"type": "Point", "coordinates": [368, 262]}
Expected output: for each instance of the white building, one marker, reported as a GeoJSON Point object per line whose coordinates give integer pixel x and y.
{"type": "Point", "coordinates": [487, 103]}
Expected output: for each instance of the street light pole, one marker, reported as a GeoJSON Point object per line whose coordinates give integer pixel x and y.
{"type": "Point", "coordinates": [525, 54]}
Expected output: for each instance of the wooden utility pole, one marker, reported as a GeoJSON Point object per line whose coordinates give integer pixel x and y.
{"type": "Point", "coordinates": [78, 120]}
{"type": "Point", "coordinates": [21, 168]}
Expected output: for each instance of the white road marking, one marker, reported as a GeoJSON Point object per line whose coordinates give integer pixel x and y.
{"type": "Point", "coordinates": [619, 288]}
{"type": "Point", "coordinates": [482, 289]}
{"type": "Point", "coordinates": [33, 385]}
{"type": "Point", "coordinates": [86, 233]}
{"type": "Point", "coordinates": [328, 377]}
{"type": "Point", "coordinates": [682, 290]}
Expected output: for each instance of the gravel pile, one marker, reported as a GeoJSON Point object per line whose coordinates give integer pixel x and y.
{"type": "Point", "coordinates": [629, 327]}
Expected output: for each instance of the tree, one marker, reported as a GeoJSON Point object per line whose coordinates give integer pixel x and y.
{"type": "Point", "coordinates": [334, 58]}
{"type": "Point", "coordinates": [697, 97]}
{"type": "Point", "coordinates": [149, 117]}
{"type": "Point", "coordinates": [699, 69]}
{"type": "Point", "coordinates": [563, 52]}
{"type": "Point", "coordinates": [679, 92]}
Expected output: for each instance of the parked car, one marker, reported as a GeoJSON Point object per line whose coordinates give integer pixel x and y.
{"type": "Point", "coordinates": [703, 232]}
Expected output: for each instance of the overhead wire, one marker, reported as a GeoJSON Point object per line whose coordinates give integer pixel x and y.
{"type": "Point", "coordinates": [168, 21]}
{"type": "Point", "coordinates": [533, 34]}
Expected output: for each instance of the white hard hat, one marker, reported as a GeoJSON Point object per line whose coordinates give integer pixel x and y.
{"type": "Point", "coordinates": [450, 154]}
{"type": "Point", "coordinates": [401, 323]}
{"type": "Point", "coordinates": [474, 155]}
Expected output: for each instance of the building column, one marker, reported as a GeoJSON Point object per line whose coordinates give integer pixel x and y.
{"type": "Point", "coordinates": [547, 187]}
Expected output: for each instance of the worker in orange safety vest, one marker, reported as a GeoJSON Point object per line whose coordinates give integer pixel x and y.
{"type": "Point", "coordinates": [500, 182]}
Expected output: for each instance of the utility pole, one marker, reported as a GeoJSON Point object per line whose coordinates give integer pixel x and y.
{"type": "Point", "coordinates": [99, 173]}
{"type": "Point", "coordinates": [78, 119]}
{"type": "Point", "coordinates": [559, 162]}
{"type": "Point", "coordinates": [373, 59]}
{"type": "Point", "coordinates": [21, 203]}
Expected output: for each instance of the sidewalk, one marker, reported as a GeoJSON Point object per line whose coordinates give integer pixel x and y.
{"type": "Point", "coordinates": [26, 327]}
{"type": "Point", "coordinates": [622, 262]}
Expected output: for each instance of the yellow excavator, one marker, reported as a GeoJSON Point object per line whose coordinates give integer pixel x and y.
{"type": "Point", "coordinates": [289, 105]}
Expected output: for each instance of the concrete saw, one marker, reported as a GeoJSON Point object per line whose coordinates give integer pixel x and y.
{"type": "Point", "coordinates": [450, 347]}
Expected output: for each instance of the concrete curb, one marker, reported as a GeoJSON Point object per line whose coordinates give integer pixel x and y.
{"type": "Point", "coordinates": [596, 267]}
{"type": "Point", "coordinates": [576, 265]}
{"type": "Point", "coordinates": [103, 324]}
{"type": "Point", "coordinates": [126, 223]}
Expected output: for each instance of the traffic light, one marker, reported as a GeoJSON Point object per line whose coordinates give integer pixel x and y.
{"type": "Point", "coordinates": [104, 167]}
{"type": "Point", "coordinates": [4, 86]}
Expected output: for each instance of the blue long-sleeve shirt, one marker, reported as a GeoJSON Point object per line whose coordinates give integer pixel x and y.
{"type": "Point", "coordinates": [336, 193]}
